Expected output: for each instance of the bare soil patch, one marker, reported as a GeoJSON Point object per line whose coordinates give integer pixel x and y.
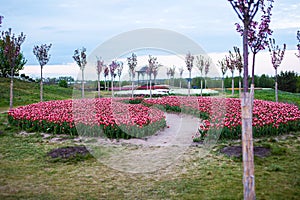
{"type": "Point", "coordinates": [236, 151]}
{"type": "Point", "coordinates": [68, 152]}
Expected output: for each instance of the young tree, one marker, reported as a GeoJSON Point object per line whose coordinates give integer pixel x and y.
{"type": "Point", "coordinates": [80, 58]}
{"type": "Point", "coordinates": [236, 61]}
{"type": "Point", "coordinates": [298, 45]}
{"type": "Point", "coordinates": [231, 67]}
{"type": "Point", "coordinates": [246, 10]}
{"type": "Point", "coordinates": [200, 65]}
{"type": "Point", "coordinates": [276, 56]}
{"type": "Point", "coordinates": [12, 48]}
{"type": "Point", "coordinates": [223, 65]}
{"type": "Point", "coordinates": [155, 73]}
{"type": "Point", "coordinates": [189, 64]}
{"type": "Point", "coordinates": [106, 72]}
{"type": "Point", "coordinates": [132, 62]}
{"type": "Point", "coordinates": [42, 55]}
{"type": "Point", "coordinates": [119, 72]}
{"type": "Point", "coordinates": [112, 68]}
{"type": "Point", "coordinates": [168, 75]}
{"type": "Point", "coordinates": [207, 63]}
{"type": "Point", "coordinates": [100, 66]}
{"type": "Point", "coordinates": [153, 65]}
{"type": "Point", "coordinates": [172, 73]}
{"type": "Point", "coordinates": [180, 75]}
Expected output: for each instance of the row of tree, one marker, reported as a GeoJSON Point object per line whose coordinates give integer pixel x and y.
{"type": "Point", "coordinates": [12, 59]}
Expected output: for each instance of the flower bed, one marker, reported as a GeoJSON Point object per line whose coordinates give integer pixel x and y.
{"type": "Point", "coordinates": [115, 119]}
{"type": "Point", "coordinates": [269, 118]}
{"type": "Point", "coordinates": [97, 117]}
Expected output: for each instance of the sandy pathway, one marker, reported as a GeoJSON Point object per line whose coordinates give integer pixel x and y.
{"type": "Point", "coordinates": [150, 154]}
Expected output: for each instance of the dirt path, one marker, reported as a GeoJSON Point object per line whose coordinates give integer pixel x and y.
{"type": "Point", "coordinates": [150, 154]}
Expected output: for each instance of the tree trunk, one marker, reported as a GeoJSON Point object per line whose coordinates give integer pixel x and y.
{"type": "Point", "coordinates": [173, 81]}
{"type": "Point", "coordinates": [232, 85]}
{"type": "Point", "coordinates": [131, 86]}
{"type": "Point", "coordinates": [201, 86]}
{"type": "Point", "coordinates": [253, 64]}
{"type": "Point", "coordinates": [189, 84]}
{"type": "Point", "coordinates": [119, 83]}
{"type": "Point", "coordinates": [82, 83]}
{"type": "Point", "coordinates": [240, 85]}
{"type": "Point", "coordinates": [223, 84]}
{"type": "Point", "coordinates": [41, 85]}
{"type": "Point", "coordinates": [276, 86]}
{"type": "Point", "coordinates": [105, 83]}
{"type": "Point", "coordinates": [112, 86]}
{"type": "Point", "coordinates": [11, 96]}
{"type": "Point", "coordinates": [150, 87]}
{"type": "Point", "coordinates": [99, 86]}
{"type": "Point", "coordinates": [247, 143]}
{"type": "Point", "coordinates": [180, 82]}
{"type": "Point", "coordinates": [205, 82]}
{"type": "Point", "coordinates": [247, 138]}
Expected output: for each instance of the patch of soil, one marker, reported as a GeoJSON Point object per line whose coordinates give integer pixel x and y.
{"type": "Point", "coordinates": [68, 152]}
{"type": "Point", "coordinates": [236, 151]}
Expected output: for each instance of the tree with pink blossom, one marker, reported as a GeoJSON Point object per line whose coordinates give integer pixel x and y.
{"type": "Point", "coordinates": [132, 62]}
{"type": "Point", "coordinates": [207, 64]}
{"type": "Point", "coordinates": [231, 67]}
{"type": "Point", "coordinates": [180, 75]}
{"type": "Point", "coordinates": [106, 73]}
{"type": "Point", "coordinates": [42, 55]}
{"type": "Point", "coordinates": [236, 61]}
{"type": "Point", "coordinates": [168, 75]}
{"type": "Point", "coordinates": [155, 73]}
{"type": "Point", "coordinates": [119, 72]}
{"type": "Point", "coordinates": [200, 65]}
{"type": "Point", "coordinates": [11, 45]}
{"type": "Point", "coordinates": [99, 68]}
{"type": "Point", "coordinates": [112, 68]}
{"type": "Point", "coordinates": [258, 34]}
{"type": "Point", "coordinates": [173, 69]}
{"type": "Point", "coordinates": [80, 58]}
{"type": "Point", "coordinates": [153, 66]}
{"type": "Point", "coordinates": [189, 59]}
{"type": "Point", "coordinates": [246, 11]}
{"type": "Point", "coordinates": [276, 57]}
{"type": "Point", "coordinates": [223, 66]}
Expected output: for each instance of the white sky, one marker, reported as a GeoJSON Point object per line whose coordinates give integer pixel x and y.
{"type": "Point", "coordinates": [71, 24]}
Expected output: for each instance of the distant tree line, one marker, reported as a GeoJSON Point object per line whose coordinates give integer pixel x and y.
{"type": "Point", "coordinates": [288, 81]}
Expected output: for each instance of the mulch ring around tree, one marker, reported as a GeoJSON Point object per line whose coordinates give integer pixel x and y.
{"type": "Point", "coordinates": [69, 152]}
{"type": "Point", "coordinates": [236, 151]}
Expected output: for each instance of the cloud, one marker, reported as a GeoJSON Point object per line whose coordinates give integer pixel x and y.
{"type": "Point", "coordinates": [70, 24]}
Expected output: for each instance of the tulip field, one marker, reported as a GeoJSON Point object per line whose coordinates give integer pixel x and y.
{"type": "Point", "coordinates": [127, 118]}
{"type": "Point", "coordinates": [96, 117]}
{"type": "Point", "coordinates": [269, 118]}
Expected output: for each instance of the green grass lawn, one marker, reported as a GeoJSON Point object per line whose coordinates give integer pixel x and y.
{"type": "Point", "coordinates": [27, 173]}
{"type": "Point", "coordinates": [269, 95]}
{"type": "Point", "coordinates": [27, 92]}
